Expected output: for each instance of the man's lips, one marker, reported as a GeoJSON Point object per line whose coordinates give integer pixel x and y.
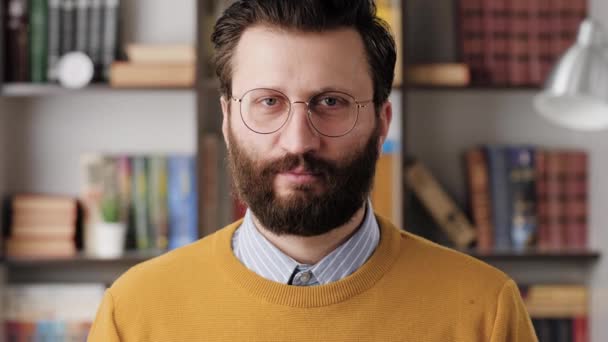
{"type": "Point", "coordinates": [299, 175]}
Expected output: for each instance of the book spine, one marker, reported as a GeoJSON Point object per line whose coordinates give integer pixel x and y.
{"type": "Point", "coordinates": [442, 208]}
{"type": "Point", "coordinates": [540, 165]}
{"type": "Point", "coordinates": [522, 194]}
{"type": "Point", "coordinates": [159, 220]}
{"type": "Point", "coordinates": [545, 36]}
{"type": "Point", "coordinates": [581, 329]}
{"type": "Point", "coordinates": [518, 33]}
{"type": "Point", "coordinates": [17, 61]}
{"type": "Point", "coordinates": [110, 35]}
{"type": "Point", "coordinates": [140, 202]}
{"type": "Point", "coordinates": [183, 225]}
{"type": "Point", "coordinates": [95, 34]}
{"type": "Point", "coordinates": [576, 200]}
{"type": "Point", "coordinates": [555, 201]}
{"type": "Point", "coordinates": [499, 190]}
{"type": "Point", "coordinates": [534, 43]}
{"type": "Point", "coordinates": [38, 40]}
{"type": "Point", "coordinates": [82, 25]}
{"type": "Point", "coordinates": [496, 42]}
{"type": "Point", "coordinates": [53, 38]}
{"type": "Point", "coordinates": [479, 198]}
{"type": "Point", "coordinates": [67, 26]}
{"type": "Point", "coordinates": [124, 180]}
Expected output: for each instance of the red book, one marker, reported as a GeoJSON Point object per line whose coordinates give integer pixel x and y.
{"type": "Point", "coordinates": [518, 32]}
{"type": "Point", "coordinates": [555, 208]}
{"type": "Point", "coordinates": [534, 43]}
{"type": "Point", "coordinates": [471, 37]}
{"type": "Point", "coordinates": [545, 36]}
{"type": "Point", "coordinates": [576, 199]}
{"type": "Point", "coordinates": [580, 329]}
{"type": "Point", "coordinates": [496, 17]}
{"type": "Point", "coordinates": [479, 198]}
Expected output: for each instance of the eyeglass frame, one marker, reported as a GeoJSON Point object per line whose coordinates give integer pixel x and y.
{"type": "Point", "coordinates": [360, 104]}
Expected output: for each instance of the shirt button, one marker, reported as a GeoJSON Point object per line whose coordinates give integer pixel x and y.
{"type": "Point", "coordinates": [305, 277]}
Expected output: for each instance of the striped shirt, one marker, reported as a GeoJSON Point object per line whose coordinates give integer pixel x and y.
{"type": "Point", "coordinates": [262, 257]}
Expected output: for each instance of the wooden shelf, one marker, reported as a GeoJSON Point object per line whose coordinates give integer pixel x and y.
{"type": "Point", "coordinates": [535, 255]}
{"type": "Point", "coordinates": [130, 257]}
{"type": "Point", "coordinates": [474, 88]}
{"type": "Point", "coordinates": [29, 89]}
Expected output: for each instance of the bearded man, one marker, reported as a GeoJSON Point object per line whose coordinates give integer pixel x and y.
{"type": "Point", "coordinates": [305, 86]}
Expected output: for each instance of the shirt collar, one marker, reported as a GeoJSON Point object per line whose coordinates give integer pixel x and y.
{"type": "Point", "coordinates": [262, 257]}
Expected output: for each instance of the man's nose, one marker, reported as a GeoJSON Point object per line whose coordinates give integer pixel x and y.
{"type": "Point", "coordinates": [298, 136]}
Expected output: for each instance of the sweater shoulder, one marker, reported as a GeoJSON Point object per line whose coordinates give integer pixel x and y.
{"type": "Point", "coordinates": [449, 264]}
{"type": "Point", "coordinates": [172, 268]}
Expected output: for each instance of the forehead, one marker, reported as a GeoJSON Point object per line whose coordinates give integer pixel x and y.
{"type": "Point", "coordinates": [299, 62]}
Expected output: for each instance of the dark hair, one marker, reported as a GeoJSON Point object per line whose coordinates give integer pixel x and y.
{"type": "Point", "coordinates": [309, 16]}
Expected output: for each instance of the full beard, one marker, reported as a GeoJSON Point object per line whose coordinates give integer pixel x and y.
{"type": "Point", "coordinates": [345, 183]}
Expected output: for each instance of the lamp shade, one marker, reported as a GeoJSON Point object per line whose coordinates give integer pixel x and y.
{"type": "Point", "coordinates": [576, 93]}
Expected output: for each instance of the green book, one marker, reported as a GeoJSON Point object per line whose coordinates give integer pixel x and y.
{"type": "Point", "coordinates": [38, 40]}
{"type": "Point", "coordinates": [140, 202]}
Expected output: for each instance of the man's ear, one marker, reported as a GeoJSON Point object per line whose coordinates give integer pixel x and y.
{"type": "Point", "coordinates": [225, 117]}
{"type": "Point", "coordinates": [385, 116]}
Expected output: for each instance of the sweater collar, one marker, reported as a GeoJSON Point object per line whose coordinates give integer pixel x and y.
{"type": "Point", "coordinates": [362, 279]}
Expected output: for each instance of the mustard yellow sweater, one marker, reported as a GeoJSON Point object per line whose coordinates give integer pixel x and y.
{"type": "Point", "coordinates": [409, 290]}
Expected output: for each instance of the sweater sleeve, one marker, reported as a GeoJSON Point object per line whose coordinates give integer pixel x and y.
{"type": "Point", "coordinates": [512, 322]}
{"type": "Point", "coordinates": [104, 327]}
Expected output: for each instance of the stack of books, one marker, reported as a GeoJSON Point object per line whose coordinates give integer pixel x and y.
{"type": "Point", "coordinates": [155, 66]}
{"type": "Point", "coordinates": [526, 196]}
{"type": "Point", "coordinates": [155, 196]}
{"type": "Point", "coordinates": [42, 226]}
{"type": "Point", "coordinates": [39, 32]}
{"type": "Point", "coordinates": [516, 43]}
{"type": "Point", "coordinates": [559, 312]}
{"type": "Point", "coordinates": [50, 312]}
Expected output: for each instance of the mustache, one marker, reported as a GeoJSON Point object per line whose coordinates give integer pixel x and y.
{"type": "Point", "coordinates": [307, 161]}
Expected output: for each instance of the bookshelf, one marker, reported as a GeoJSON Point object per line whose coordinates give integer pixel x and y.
{"type": "Point", "coordinates": [442, 122]}
{"type": "Point", "coordinates": [188, 120]}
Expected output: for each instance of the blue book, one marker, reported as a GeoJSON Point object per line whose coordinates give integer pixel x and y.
{"type": "Point", "coordinates": [499, 194]}
{"type": "Point", "coordinates": [522, 194]}
{"type": "Point", "coordinates": [183, 216]}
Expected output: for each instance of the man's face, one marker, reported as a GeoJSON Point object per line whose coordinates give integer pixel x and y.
{"type": "Point", "coordinates": [297, 181]}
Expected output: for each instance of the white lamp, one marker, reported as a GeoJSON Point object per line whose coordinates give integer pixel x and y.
{"type": "Point", "coordinates": [576, 93]}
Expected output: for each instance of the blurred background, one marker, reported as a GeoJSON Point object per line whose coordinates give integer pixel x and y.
{"type": "Point", "coordinates": [111, 151]}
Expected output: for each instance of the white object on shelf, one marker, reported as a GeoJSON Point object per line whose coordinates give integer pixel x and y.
{"type": "Point", "coordinates": [75, 70]}
{"type": "Point", "coordinates": [106, 239]}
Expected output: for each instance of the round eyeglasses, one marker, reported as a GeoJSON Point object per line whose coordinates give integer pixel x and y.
{"type": "Point", "coordinates": [332, 113]}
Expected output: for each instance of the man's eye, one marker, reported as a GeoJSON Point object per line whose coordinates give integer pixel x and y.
{"type": "Point", "coordinates": [270, 101]}
{"type": "Point", "coordinates": [329, 101]}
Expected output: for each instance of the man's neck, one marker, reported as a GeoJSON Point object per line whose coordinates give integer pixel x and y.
{"type": "Point", "coordinates": [310, 250]}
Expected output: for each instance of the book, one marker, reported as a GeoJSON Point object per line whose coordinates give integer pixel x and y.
{"type": "Point", "coordinates": [95, 33]}
{"type": "Point", "coordinates": [479, 197]}
{"type": "Point", "coordinates": [17, 37]}
{"type": "Point", "coordinates": [575, 206]}
{"type": "Point", "coordinates": [518, 36]}
{"type": "Point", "coordinates": [471, 36]}
{"type": "Point", "coordinates": [159, 220]}
{"type": "Point", "coordinates": [141, 209]}
{"type": "Point", "coordinates": [161, 54]}
{"type": "Point", "coordinates": [53, 38]}
{"type": "Point", "coordinates": [439, 74]}
{"type": "Point", "coordinates": [443, 209]}
{"type": "Point", "coordinates": [126, 75]}
{"type": "Point", "coordinates": [38, 40]}
{"type": "Point", "coordinates": [522, 188]}
{"type": "Point", "coordinates": [110, 35]}
{"type": "Point", "coordinates": [183, 204]}
{"type": "Point", "coordinates": [555, 201]}
{"type": "Point", "coordinates": [499, 192]}
{"type": "Point", "coordinates": [67, 26]}
{"type": "Point", "coordinates": [82, 25]}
